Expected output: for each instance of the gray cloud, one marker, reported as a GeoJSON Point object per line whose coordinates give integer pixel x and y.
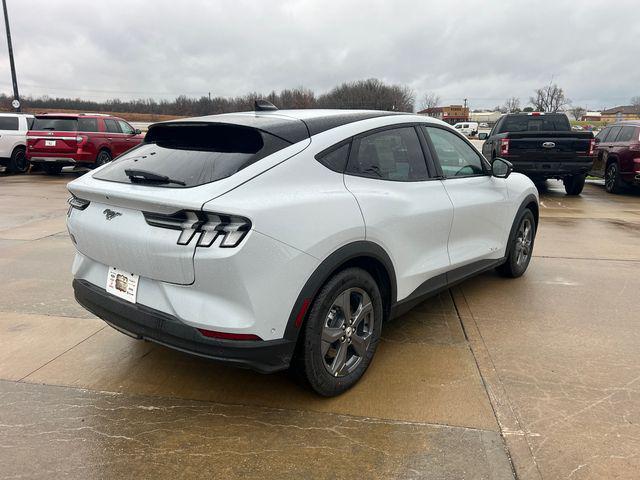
{"type": "Point", "coordinates": [485, 51]}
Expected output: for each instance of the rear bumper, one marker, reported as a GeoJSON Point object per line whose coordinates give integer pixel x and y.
{"type": "Point", "coordinates": [56, 160]}
{"type": "Point", "coordinates": [146, 323]}
{"type": "Point", "coordinates": [582, 165]}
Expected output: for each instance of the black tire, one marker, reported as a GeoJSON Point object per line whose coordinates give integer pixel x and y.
{"type": "Point", "coordinates": [103, 157]}
{"type": "Point", "coordinates": [515, 264]}
{"type": "Point", "coordinates": [573, 184]}
{"type": "Point", "coordinates": [18, 162]}
{"type": "Point", "coordinates": [612, 181]}
{"type": "Point", "coordinates": [52, 168]}
{"type": "Point", "coordinates": [318, 361]}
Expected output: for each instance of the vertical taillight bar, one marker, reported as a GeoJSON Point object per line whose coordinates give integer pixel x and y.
{"type": "Point", "coordinates": [504, 146]}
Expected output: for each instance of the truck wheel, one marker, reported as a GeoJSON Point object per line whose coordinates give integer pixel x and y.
{"type": "Point", "coordinates": [52, 169]}
{"type": "Point", "coordinates": [341, 334]}
{"type": "Point", "coordinates": [18, 162]}
{"type": "Point", "coordinates": [612, 181]}
{"type": "Point", "coordinates": [573, 184]}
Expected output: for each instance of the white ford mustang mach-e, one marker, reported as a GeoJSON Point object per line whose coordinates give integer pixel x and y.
{"type": "Point", "coordinates": [272, 239]}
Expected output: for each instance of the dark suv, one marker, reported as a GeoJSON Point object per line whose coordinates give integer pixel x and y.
{"type": "Point", "coordinates": [618, 156]}
{"type": "Point", "coordinates": [83, 139]}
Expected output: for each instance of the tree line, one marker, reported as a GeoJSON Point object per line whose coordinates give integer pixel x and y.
{"type": "Point", "coordinates": [370, 94]}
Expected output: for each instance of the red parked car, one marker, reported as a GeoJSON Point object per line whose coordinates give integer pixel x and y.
{"type": "Point", "coordinates": [83, 139]}
{"type": "Point", "coordinates": [618, 156]}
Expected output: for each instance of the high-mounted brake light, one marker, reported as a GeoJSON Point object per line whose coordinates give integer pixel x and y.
{"type": "Point", "coordinates": [504, 146]}
{"type": "Point", "coordinates": [207, 227]}
{"type": "Point", "coordinates": [536, 114]}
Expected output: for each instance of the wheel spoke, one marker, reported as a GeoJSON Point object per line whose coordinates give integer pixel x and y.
{"type": "Point", "coordinates": [344, 303]}
{"type": "Point", "coordinates": [332, 334]}
{"type": "Point", "coordinates": [361, 343]}
{"type": "Point", "coordinates": [340, 359]}
{"type": "Point", "coordinates": [362, 311]}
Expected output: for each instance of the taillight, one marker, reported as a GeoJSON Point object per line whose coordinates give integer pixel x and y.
{"type": "Point", "coordinates": [228, 336]}
{"type": "Point", "coordinates": [504, 146]}
{"type": "Point", "coordinates": [207, 227]}
{"type": "Point", "coordinates": [592, 146]}
{"type": "Point", "coordinates": [81, 140]}
{"type": "Point", "coordinates": [78, 203]}
{"type": "Point", "coordinates": [636, 165]}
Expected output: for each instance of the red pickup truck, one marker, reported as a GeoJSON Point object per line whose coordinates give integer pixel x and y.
{"type": "Point", "coordinates": [83, 139]}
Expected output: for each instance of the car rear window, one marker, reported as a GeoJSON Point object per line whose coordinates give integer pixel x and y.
{"type": "Point", "coordinates": [55, 124]}
{"type": "Point", "coordinates": [535, 123]}
{"type": "Point", "coordinates": [192, 154]}
{"type": "Point", "coordinates": [8, 123]}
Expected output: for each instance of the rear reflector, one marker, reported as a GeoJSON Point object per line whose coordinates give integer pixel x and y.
{"type": "Point", "coordinates": [228, 336]}
{"type": "Point", "coordinates": [302, 312]}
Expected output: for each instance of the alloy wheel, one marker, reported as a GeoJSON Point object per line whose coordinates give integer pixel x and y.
{"type": "Point", "coordinates": [347, 332]}
{"type": "Point", "coordinates": [524, 239]}
{"type": "Point", "coordinates": [21, 162]}
{"type": "Point", "coordinates": [611, 177]}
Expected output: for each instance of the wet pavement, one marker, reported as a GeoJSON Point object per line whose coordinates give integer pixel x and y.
{"type": "Point", "coordinates": [538, 374]}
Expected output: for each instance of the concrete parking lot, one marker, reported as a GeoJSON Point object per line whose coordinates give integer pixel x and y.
{"type": "Point", "coordinates": [536, 377]}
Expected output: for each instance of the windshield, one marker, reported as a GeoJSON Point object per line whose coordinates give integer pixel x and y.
{"type": "Point", "coordinates": [191, 155]}
{"type": "Point", "coordinates": [55, 124]}
{"type": "Point", "coordinates": [535, 123]}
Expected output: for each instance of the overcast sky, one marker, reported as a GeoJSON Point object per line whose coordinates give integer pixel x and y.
{"type": "Point", "coordinates": [485, 50]}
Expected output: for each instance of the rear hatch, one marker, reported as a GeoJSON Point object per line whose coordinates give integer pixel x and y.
{"type": "Point", "coordinates": [155, 192]}
{"type": "Point", "coordinates": [549, 146]}
{"type": "Point", "coordinates": [52, 136]}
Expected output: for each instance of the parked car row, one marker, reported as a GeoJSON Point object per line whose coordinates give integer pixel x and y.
{"type": "Point", "coordinates": [53, 141]}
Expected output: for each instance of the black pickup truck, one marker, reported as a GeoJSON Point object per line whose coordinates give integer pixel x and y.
{"type": "Point", "coordinates": [542, 146]}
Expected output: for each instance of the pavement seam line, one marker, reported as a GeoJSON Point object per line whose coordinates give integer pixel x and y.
{"type": "Point", "coordinates": [486, 384]}
{"type": "Point", "coordinates": [62, 353]}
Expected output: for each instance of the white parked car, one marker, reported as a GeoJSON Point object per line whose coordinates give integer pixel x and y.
{"type": "Point", "coordinates": [469, 129]}
{"type": "Point", "coordinates": [13, 141]}
{"type": "Point", "coordinates": [272, 239]}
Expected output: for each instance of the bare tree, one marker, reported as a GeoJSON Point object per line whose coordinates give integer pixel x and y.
{"type": "Point", "coordinates": [430, 100]}
{"type": "Point", "coordinates": [512, 105]}
{"type": "Point", "coordinates": [577, 112]}
{"type": "Point", "coordinates": [635, 101]}
{"type": "Point", "coordinates": [550, 98]}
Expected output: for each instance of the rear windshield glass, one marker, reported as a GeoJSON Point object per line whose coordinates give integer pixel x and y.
{"type": "Point", "coordinates": [55, 124]}
{"type": "Point", "coordinates": [188, 155]}
{"type": "Point", "coordinates": [535, 123]}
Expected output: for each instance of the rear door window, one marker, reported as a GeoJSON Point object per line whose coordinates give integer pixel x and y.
{"type": "Point", "coordinates": [192, 154]}
{"type": "Point", "coordinates": [111, 126]}
{"type": "Point", "coordinates": [626, 134]}
{"type": "Point", "coordinates": [613, 134]}
{"type": "Point", "coordinates": [87, 124]}
{"type": "Point", "coordinates": [394, 154]}
{"type": "Point", "coordinates": [8, 123]}
{"type": "Point", "coordinates": [54, 124]}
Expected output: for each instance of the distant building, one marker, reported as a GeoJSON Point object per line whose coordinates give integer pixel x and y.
{"type": "Point", "coordinates": [451, 114]}
{"type": "Point", "coordinates": [624, 112]}
{"type": "Point", "coordinates": [591, 117]}
{"type": "Point", "coordinates": [485, 117]}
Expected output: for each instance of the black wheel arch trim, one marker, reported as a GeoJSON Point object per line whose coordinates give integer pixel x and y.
{"type": "Point", "coordinates": [324, 271]}
{"type": "Point", "coordinates": [528, 200]}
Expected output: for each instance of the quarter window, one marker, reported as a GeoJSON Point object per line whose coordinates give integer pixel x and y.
{"type": "Point", "coordinates": [336, 159]}
{"type": "Point", "coordinates": [8, 123]}
{"type": "Point", "coordinates": [613, 133]}
{"type": "Point", "coordinates": [87, 124]}
{"type": "Point", "coordinates": [626, 134]}
{"type": "Point", "coordinates": [393, 154]}
{"type": "Point", "coordinates": [456, 157]}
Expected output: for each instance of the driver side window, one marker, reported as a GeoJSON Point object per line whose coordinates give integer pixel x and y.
{"type": "Point", "coordinates": [456, 157]}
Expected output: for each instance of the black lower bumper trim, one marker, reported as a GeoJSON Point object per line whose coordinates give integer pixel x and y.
{"type": "Point", "coordinates": [146, 323]}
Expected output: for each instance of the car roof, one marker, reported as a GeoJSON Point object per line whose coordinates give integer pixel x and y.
{"type": "Point", "coordinates": [290, 125]}
{"type": "Point", "coordinates": [627, 123]}
{"type": "Point", "coordinates": [76, 115]}
{"type": "Point", "coordinates": [15, 114]}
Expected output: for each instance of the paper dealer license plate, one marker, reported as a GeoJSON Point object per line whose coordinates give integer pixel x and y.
{"type": "Point", "coordinates": [122, 284]}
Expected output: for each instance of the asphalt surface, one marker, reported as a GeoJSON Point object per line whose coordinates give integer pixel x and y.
{"type": "Point", "coordinates": [536, 377]}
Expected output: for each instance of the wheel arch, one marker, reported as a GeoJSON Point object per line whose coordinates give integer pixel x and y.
{"type": "Point", "coordinates": [530, 202]}
{"type": "Point", "coordinates": [367, 255]}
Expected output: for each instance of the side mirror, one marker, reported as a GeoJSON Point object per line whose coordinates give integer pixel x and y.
{"type": "Point", "coordinates": [483, 136]}
{"type": "Point", "coordinates": [137, 131]}
{"type": "Point", "coordinates": [501, 168]}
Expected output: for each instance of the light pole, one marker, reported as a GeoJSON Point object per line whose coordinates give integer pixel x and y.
{"type": "Point", "coordinates": [16, 95]}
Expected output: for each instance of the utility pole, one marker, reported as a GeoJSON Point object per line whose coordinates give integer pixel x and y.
{"type": "Point", "coordinates": [16, 96]}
